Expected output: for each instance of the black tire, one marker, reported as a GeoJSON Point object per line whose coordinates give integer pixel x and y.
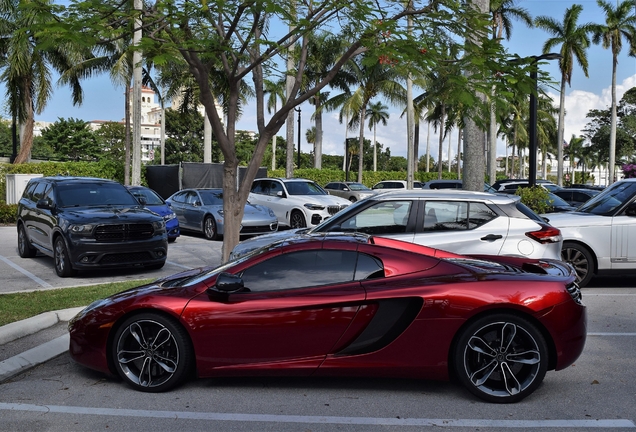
{"type": "Point", "coordinates": [297, 220]}
{"type": "Point", "coordinates": [62, 260]}
{"type": "Point", "coordinates": [501, 358]}
{"type": "Point", "coordinates": [24, 245]}
{"type": "Point", "coordinates": [209, 228]}
{"type": "Point", "coordinates": [353, 199]}
{"type": "Point", "coordinates": [581, 259]}
{"type": "Point", "coordinates": [152, 352]}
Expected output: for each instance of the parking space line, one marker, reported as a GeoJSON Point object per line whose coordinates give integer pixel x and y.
{"type": "Point", "coordinates": [610, 334]}
{"type": "Point", "coordinates": [28, 274]}
{"type": "Point", "coordinates": [274, 418]}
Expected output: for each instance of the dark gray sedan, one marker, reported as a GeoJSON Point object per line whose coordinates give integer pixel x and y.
{"type": "Point", "coordinates": [352, 191]}
{"type": "Point", "coordinates": [201, 210]}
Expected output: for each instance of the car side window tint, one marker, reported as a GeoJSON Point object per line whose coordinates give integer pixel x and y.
{"type": "Point", "coordinates": [385, 217]}
{"type": "Point", "coordinates": [28, 192]}
{"type": "Point", "coordinates": [368, 267]}
{"type": "Point", "coordinates": [259, 187]}
{"type": "Point", "coordinates": [455, 215]}
{"type": "Point", "coordinates": [479, 214]}
{"type": "Point", "coordinates": [38, 192]}
{"type": "Point", "coordinates": [274, 188]}
{"type": "Point", "coordinates": [300, 270]}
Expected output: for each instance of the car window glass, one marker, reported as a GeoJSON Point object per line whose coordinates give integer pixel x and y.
{"type": "Point", "coordinates": [191, 198]}
{"type": "Point", "coordinates": [273, 188]}
{"type": "Point", "coordinates": [368, 267]}
{"type": "Point", "coordinates": [447, 216]}
{"type": "Point", "coordinates": [49, 195]}
{"type": "Point", "coordinates": [303, 188]}
{"type": "Point", "coordinates": [28, 192]}
{"type": "Point", "coordinates": [386, 217]}
{"type": "Point", "coordinates": [94, 194]}
{"type": "Point", "coordinates": [257, 187]}
{"type": "Point", "coordinates": [610, 200]}
{"type": "Point", "coordinates": [38, 192]}
{"type": "Point", "coordinates": [301, 269]}
{"type": "Point", "coordinates": [150, 196]}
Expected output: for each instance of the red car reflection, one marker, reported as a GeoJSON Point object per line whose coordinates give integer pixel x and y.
{"type": "Point", "coordinates": [344, 305]}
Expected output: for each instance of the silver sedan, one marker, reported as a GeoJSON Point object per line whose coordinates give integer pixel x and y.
{"type": "Point", "coordinates": [201, 210]}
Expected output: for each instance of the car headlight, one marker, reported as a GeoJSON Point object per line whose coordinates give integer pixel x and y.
{"type": "Point", "coordinates": [311, 206]}
{"type": "Point", "coordinates": [169, 217]}
{"type": "Point", "coordinates": [271, 212]}
{"type": "Point", "coordinates": [159, 225]}
{"type": "Point", "coordinates": [83, 229]}
{"type": "Point", "coordinates": [220, 212]}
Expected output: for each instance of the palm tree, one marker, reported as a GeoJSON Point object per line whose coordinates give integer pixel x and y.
{"type": "Point", "coordinates": [377, 113]}
{"type": "Point", "coordinates": [502, 11]}
{"type": "Point", "coordinates": [574, 42]}
{"type": "Point", "coordinates": [28, 63]}
{"type": "Point", "coordinates": [619, 23]}
{"type": "Point", "coordinates": [373, 80]}
{"type": "Point", "coordinates": [276, 92]}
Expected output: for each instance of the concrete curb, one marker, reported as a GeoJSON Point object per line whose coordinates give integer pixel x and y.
{"type": "Point", "coordinates": [40, 354]}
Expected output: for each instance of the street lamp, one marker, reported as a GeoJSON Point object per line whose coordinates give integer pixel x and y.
{"type": "Point", "coordinates": [532, 133]}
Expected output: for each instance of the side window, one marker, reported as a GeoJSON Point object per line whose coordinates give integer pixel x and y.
{"type": "Point", "coordinates": [191, 198]}
{"type": "Point", "coordinates": [368, 267]}
{"type": "Point", "coordinates": [28, 192]}
{"type": "Point", "coordinates": [49, 195]}
{"type": "Point", "coordinates": [386, 217]}
{"type": "Point", "coordinates": [479, 214]}
{"type": "Point", "coordinates": [38, 192]}
{"type": "Point", "coordinates": [275, 187]}
{"type": "Point", "coordinates": [258, 187]}
{"type": "Point", "coordinates": [180, 197]}
{"type": "Point", "coordinates": [454, 215]}
{"type": "Point", "coordinates": [300, 270]}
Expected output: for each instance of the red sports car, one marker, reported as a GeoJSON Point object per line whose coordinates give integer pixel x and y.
{"type": "Point", "coordinates": [346, 305]}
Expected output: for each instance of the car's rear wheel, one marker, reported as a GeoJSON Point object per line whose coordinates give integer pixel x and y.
{"type": "Point", "coordinates": [152, 352]}
{"type": "Point", "coordinates": [209, 228]}
{"type": "Point", "coordinates": [297, 220]}
{"type": "Point", "coordinates": [581, 259]}
{"type": "Point", "coordinates": [62, 260]}
{"type": "Point", "coordinates": [353, 199]}
{"type": "Point", "coordinates": [24, 245]}
{"type": "Point", "coordinates": [501, 358]}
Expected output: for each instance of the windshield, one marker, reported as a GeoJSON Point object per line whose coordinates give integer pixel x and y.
{"type": "Point", "coordinates": [304, 188]}
{"type": "Point", "coordinates": [75, 194]}
{"type": "Point", "coordinates": [557, 200]}
{"type": "Point", "coordinates": [357, 187]}
{"type": "Point", "coordinates": [610, 200]}
{"type": "Point", "coordinates": [149, 195]}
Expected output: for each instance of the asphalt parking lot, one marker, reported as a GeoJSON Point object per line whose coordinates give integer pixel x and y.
{"type": "Point", "coordinates": [28, 274]}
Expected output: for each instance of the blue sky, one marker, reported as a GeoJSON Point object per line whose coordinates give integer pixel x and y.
{"type": "Point", "coordinates": [105, 102]}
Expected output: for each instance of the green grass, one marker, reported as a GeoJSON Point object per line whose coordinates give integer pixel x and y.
{"type": "Point", "coordinates": [19, 306]}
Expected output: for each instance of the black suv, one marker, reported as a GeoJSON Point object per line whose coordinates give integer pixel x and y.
{"type": "Point", "coordinates": [88, 223]}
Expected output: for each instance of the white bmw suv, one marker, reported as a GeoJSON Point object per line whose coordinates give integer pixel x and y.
{"type": "Point", "coordinates": [297, 203]}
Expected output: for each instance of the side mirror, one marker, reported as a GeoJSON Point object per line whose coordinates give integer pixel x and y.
{"type": "Point", "coordinates": [280, 194]}
{"type": "Point", "coordinates": [228, 283]}
{"type": "Point", "coordinates": [345, 189]}
{"type": "Point", "coordinates": [44, 204]}
{"type": "Point", "coordinates": [142, 200]}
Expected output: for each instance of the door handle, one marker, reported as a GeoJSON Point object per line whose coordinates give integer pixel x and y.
{"type": "Point", "coordinates": [491, 237]}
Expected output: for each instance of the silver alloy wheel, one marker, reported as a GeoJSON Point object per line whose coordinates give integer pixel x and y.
{"type": "Point", "coordinates": [502, 359]}
{"type": "Point", "coordinates": [297, 220]}
{"type": "Point", "coordinates": [147, 353]}
{"type": "Point", "coordinates": [62, 260]}
{"type": "Point", "coordinates": [580, 259]}
{"type": "Point", "coordinates": [209, 228]}
{"type": "Point", "coordinates": [24, 247]}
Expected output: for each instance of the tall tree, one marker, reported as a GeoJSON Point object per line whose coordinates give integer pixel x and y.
{"type": "Point", "coordinates": [275, 91]}
{"type": "Point", "coordinates": [376, 114]}
{"type": "Point", "coordinates": [620, 23]}
{"type": "Point", "coordinates": [574, 41]}
{"type": "Point", "coordinates": [28, 60]}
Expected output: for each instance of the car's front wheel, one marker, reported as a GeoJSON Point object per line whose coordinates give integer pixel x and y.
{"type": "Point", "coordinates": [297, 220]}
{"type": "Point", "coordinates": [581, 259]}
{"type": "Point", "coordinates": [501, 358]}
{"type": "Point", "coordinates": [24, 245]}
{"type": "Point", "coordinates": [62, 260]}
{"type": "Point", "coordinates": [152, 352]}
{"type": "Point", "coordinates": [209, 228]}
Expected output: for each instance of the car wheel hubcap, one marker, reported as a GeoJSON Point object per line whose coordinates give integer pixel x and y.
{"type": "Point", "coordinates": [502, 359]}
{"type": "Point", "coordinates": [578, 260]}
{"type": "Point", "coordinates": [147, 353]}
{"type": "Point", "coordinates": [209, 228]}
{"type": "Point", "coordinates": [59, 256]}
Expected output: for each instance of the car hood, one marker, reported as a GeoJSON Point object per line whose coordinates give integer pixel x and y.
{"type": "Point", "coordinates": [247, 246]}
{"type": "Point", "coordinates": [110, 214]}
{"type": "Point", "coordinates": [161, 210]}
{"type": "Point", "coordinates": [575, 219]}
{"type": "Point", "coordinates": [321, 199]}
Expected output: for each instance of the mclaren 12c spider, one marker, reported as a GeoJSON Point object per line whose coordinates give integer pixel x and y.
{"type": "Point", "coordinates": [343, 305]}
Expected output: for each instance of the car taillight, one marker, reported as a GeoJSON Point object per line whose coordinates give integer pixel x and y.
{"type": "Point", "coordinates": [547, 234]}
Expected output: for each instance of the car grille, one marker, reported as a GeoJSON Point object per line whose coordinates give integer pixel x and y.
{"type": "Point", "coordinates": [258, 229]}
{"type": "Point", "coordinates": [333, 209]}
{"type": "Point", "coordinates": [132, 257]}
{"type": "Point", "coordinates": [120, 232]}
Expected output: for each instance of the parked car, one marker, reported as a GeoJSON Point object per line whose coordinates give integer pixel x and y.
{"type": "Point", "coordinates": [598, 238]}
{"type": "Point", "coordinates": [575, 197]}
{"type": "Point", "coordinates": [153, 202]}
{"type": "Point", "coordinates": [352, 191]}
{"type": "Point", "coordinates": [296, 202]}
{"type": "Point", "coordinates": [452, 184]}
{"type": "Point", "coordinates": [339, 305]}
{"type": "Point", "coordinates": [458, 221]}
{"type": "Point", "coordinates": [395, 184]}
{"type": "Point", "coordinates": [201, 210]}
{"type": "Point", "coordinates": [88, 223]}
{"type": "Point", "coordinates": [558, 204]}
{"type": "Point", "coordinates": [511, 185]}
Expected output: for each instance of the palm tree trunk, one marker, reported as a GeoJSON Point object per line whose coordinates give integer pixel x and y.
{"type": "Point", "coordinates": [26, 129]}
{"type": "Point", "coordinates": [560, 132]}
{"type": "Point", "coordinates": [375, 151]}
{"type": "Point", "coordinates": [441, 143]}
{"type": "Point", "coordinates": [318, 138]}
{"type": "Point", "coordinates": [363, 112]}
{"type": "Point", "coordinates": [428, 148]}
{"type": "Point", "coordinates": [612, 144]}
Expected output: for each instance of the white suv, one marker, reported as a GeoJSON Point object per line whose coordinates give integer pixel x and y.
{"type": "Point", "coordinates": [297, 203]}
